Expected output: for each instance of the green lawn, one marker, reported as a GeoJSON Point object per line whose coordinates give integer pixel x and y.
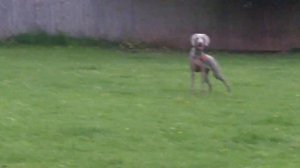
{"type": "Point", "coordinates": [105, 108]}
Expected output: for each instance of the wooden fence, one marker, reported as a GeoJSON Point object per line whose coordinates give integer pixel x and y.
{"type": "Point", "coordinates": [231, 26]}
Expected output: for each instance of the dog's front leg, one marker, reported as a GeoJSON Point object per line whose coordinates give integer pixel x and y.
{"type": "Point", "coordinates": [193, 80]}
{"type": "Point", "coordinates": [193, 71]}
{"type": "Point", "coordinates": [202, 81]}
{"type": "Point", "coordinates": [204, 77]}
{"type": "Point", "coordinates": [207, 81]}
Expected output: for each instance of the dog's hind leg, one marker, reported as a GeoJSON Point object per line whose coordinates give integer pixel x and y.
{"type": "Point", "coordinates": [218, 75]}
{"type": "Point", "coordinates": [221, 78]}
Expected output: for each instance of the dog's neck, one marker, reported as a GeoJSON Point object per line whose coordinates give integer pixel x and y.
{"type": "Point", "coordinates": [199, 52]}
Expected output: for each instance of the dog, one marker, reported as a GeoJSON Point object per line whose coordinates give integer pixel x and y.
{"type": "Point", "coordinates": [204, 63]}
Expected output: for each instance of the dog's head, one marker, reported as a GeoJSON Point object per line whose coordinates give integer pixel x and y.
{"type": "Point", "coordinates": [200, 41]}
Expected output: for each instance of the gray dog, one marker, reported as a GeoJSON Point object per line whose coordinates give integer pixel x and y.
{"type": "Point", "coordinates": [201, 62]}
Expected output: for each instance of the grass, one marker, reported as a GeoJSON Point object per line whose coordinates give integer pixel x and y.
{"type": "Point", "coordinates": [90, 107]}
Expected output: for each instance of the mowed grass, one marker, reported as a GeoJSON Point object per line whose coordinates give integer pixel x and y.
{"type": "Point", "coordinates": [89, 107]}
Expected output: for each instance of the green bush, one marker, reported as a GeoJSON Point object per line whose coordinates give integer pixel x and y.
{"type": "Point", "coordinates": [61, 39]}
{"type": "Point", "coordinates": [44, 39]}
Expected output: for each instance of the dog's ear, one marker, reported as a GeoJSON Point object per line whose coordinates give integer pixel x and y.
{"type": "Point", "coordinates": [193, 39]}
{"type": "Point", "coordinates": [206, 40]}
